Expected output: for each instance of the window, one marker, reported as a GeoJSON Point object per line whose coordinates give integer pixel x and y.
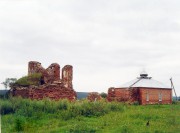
{"type": "Point", "coordinates": [147, 96]}
{"type": "Point", "coordinates": [160, 96]}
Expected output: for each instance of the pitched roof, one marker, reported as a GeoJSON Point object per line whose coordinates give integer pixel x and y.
{"type": "Point", "coordinates": [144, 81]}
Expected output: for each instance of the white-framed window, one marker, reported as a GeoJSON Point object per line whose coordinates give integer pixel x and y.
{"type": "Point", "coordinates": [160, 96]}
{"type": "Point", "coordinates": [147, 96]}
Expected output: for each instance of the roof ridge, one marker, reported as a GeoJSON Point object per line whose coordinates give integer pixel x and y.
{"type": "Point", "coordinates": [145, 82]}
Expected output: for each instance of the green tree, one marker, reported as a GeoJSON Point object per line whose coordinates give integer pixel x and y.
{"type": "Point", "coordinates": [8, 82]}
{"type": "Point", "coordinates": [103, 95]}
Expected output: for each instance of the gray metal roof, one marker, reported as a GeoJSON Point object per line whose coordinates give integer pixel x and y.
{"type": "Point", "coordinates": [147, 82]}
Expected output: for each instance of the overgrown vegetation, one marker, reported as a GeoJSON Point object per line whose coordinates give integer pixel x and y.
{"type": "Point", "coordinates": [103, 95]}
{"type": "Point", "coordinates": [28, 116]}
{"type": "Point", "coordinates": [33, 79]}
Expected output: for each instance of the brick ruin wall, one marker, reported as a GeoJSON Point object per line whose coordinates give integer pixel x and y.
{"type": "Point", "coordinates": [116, 94]}
{"type": "Point", "coordinates": [140, 95]}
{"type": "Point", "coordinates": [67, 76]}
{"type": "Point", "coordinates": [52, 73]}
{"type": "Point", "coordinates": [52, 85]}
{"type": "Point", "coordinates": [94, 96]}
{"type": "Point", "coordinates": [52, 92]}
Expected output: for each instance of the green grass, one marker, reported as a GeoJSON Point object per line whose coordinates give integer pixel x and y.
{"type": "Point", "coordinates": [46, 116]}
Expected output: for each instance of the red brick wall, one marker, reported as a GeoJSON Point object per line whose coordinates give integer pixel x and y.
{"type": "Point", "coordinates": [154, 96]}
{"type": "Point", "coordinates": [49, 92]}
{"type": "Point", "coordinates": [140, 95]}
{"type": "Point", "coordinates": [119, 94]}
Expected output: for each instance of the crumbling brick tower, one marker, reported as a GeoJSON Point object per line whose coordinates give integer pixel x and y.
{"type": "Point", "coordinates": [52, 73]}
{"type": "Point", "coordinates": [51, 85]}
{"type": "Point", "coordinates": [35, 67]}
{"type": "Point", "coordinates": [67, 76]}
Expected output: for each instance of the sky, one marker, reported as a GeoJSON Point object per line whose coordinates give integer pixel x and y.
{"type": "Point", "coordinates": [107, 42]}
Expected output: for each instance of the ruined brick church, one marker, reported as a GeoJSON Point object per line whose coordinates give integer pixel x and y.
{"type": "Point", "coordinates": [52, 84]}
{"type": "Point", "coordinates": [57, 84]}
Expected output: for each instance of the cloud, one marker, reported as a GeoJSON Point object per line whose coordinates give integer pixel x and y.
{"type": "Point", "coordinates": [107, 42]}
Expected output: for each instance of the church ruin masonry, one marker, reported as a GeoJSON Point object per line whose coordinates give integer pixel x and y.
{"type": "Point", "coordinates": [52, 84]}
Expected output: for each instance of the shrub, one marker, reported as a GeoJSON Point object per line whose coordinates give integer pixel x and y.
{"type": "Point", "coordinates": [23, 81]}
{"type": "Point", "coordinates": [103, 95]}
{"type": "Point", "coordinates": [33, 79]}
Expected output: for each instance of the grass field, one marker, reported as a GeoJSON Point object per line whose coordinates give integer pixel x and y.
{"type": "Point", "coordinates": [46, 116]}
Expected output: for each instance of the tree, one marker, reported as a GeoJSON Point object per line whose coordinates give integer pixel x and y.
{"type": "Point", "coordinates": [8, 82]}
{"type": "Point", "coordinates": [103, 95]}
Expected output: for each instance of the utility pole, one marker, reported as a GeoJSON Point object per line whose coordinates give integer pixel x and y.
{"type": "Point", "coordinates": [172, 86]}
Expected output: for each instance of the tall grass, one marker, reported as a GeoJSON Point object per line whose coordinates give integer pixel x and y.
{"type": "Point", "coordinates": [28, 108]}
{"type": "Point", "coordinates": [24, 115]}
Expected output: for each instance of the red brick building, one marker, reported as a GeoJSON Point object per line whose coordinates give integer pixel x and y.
{"type": "Point", "coordinates": [144, 90]}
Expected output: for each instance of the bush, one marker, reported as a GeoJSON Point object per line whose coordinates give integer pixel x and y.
{"type": "Point", "coordinates": [33, 79]}
{"type": "Point", "coordinates": [103, 95]}
{"type": "Point", "coordinates": [23, 81]}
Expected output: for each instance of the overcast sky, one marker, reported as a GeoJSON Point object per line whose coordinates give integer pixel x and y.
{"type": "Point", "coordinates": [108, 42]}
